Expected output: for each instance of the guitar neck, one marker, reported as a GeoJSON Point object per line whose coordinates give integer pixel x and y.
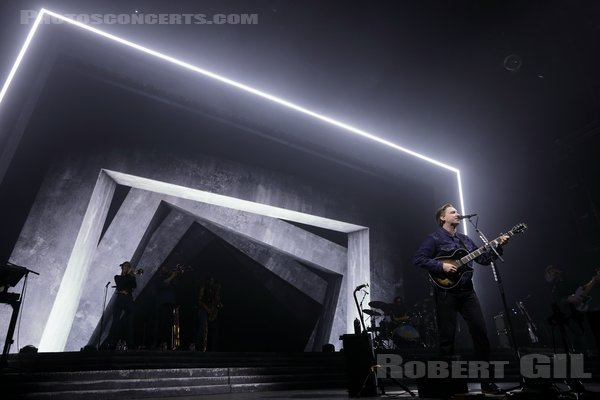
{"type": "Point", "coordinates": [588, 287]}
{"type": "Point", "coordinates": [483, 249]}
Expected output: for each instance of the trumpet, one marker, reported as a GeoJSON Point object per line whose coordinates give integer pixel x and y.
{"type": "Point", "coordinates": [178, 269]}
{"type": "Point", "coordinates": [139, 271]}
{"type": "Point", "coordinates": [181, 268]}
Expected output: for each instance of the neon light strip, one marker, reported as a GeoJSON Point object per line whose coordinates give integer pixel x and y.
{"type": "Point", "coordinates": [230, 82]}
{"type": "Point", "coordinates": [15, 66]}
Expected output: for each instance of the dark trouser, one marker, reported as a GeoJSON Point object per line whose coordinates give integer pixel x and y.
{"type": "Point", "coordinates": [448, 304]}
{"type": "Point", "coordinates": [163, 325]}
{"type": "Point", "coordinates": [207, 335]}
{"type": "Point", "coordinates": [123, 303]}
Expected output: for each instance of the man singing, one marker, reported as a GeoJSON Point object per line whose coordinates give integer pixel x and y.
{"type": "Point", "coordinates": [461, 298]}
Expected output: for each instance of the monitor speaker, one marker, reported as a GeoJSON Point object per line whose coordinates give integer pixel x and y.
{"type": "Point", "coordinates": [360, 361]}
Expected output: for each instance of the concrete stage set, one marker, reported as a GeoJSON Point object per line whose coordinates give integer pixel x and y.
{"type": "Point", "coordinates": [113, 152]}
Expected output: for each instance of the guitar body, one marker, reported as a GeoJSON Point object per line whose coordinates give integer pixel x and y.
{"type": "Point", "coordinates": [461, 259]}
{"type": "Point", "coordinates": [582, 294]}
{"type": "Point", "coordinates": [446, 280]}
{"type": "Point", "coordinates": [583, 299]}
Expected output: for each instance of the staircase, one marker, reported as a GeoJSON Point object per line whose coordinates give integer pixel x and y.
{"type": "Point", "coordinates": [144, 374]}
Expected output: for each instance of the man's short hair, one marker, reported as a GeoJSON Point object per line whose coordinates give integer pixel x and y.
{"type": "Point", "coordinates": [440, 211]}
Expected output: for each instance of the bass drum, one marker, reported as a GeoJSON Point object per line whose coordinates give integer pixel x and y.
{"type": "Point", "coordinates": [406, 334]}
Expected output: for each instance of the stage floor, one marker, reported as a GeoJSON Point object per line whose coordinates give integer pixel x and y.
{"type": "Point", "coordinates": [328, 394]}
{"type": "Point", "coordinates": [98, 375]}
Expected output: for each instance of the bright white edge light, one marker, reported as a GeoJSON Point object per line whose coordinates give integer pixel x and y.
{"type": "Point", "coordinates": [227, 81]}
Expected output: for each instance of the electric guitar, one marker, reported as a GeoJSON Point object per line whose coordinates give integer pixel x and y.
{"type": "Point", "coordinates": [581, 297]}
{"type": "Point", "coordinates": [461, 257]}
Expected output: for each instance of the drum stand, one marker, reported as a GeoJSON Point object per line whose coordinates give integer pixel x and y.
{"type": "Point", "coordinates": [383, 339]}
{"type": "Point", "coordinates": [379, 339]}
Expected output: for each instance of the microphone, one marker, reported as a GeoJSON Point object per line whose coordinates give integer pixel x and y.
{"type": "Point", "coordinates": [466, 216]}
{"type": "Point", "coordinates": [364, 285]}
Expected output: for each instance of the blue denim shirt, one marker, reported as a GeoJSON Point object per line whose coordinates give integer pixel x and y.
{"type": "Point", "coordinates": [440, 242]}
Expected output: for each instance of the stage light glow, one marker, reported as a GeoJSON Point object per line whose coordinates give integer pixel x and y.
{"type": "Point", "coordinates": [230, 82]}
{"type": "Point", "coordinates": [461, 198]}
{"type": "Point", "coordinates": [345, 127]}
{"type": "Point", "coordinates": [22, 52]}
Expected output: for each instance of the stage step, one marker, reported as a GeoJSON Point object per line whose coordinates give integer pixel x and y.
{"type": "Point", "coordinates": [70, 375]}
{"type": "Point", "coordinates": [145, 374]}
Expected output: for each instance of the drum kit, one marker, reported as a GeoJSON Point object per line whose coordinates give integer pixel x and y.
{"type": "Point", "coordinates": [415, 330]}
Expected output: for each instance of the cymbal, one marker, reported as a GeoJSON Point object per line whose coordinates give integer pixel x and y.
{"type": "Point", "coordinates": [380, 304]}
{"type": "Point", "coordinates": [372, 313]}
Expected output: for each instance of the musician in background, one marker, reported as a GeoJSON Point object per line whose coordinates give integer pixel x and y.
{"type": "Point", "coordinates": [165, 304]}
{"type": "Point", "coordinates": [125, 284]}
{"type": "Point", "coordinates": [566, 291]}
{"type": "Point", "coordinates": [209, 304]}
{"type": "Point", "coordinates": [462, 298]}
{"type": "Point", "coordinates": [398, 311]}
{"type": "Point", "coordinates": [571, 303]}
{"type": "Point", "coordinates": [398, 316]}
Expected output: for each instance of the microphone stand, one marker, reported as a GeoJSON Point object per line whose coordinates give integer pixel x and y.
{"type": "Point", "coordinates": [359, 309]}
{"type": "Point", "coordinates": [498, 280]}
{"type": "Point", "coordinates": [102, 316]}
{"type": "Point", "coordinates": [374, 366]}
{"type": "Point", "coordinates": [523, 384]}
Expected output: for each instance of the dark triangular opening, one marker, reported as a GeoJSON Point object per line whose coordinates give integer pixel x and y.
{"type": "Point", "coordinates": [118, 198]}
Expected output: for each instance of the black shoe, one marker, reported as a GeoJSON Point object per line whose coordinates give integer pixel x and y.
{"type": "Point", "coordinates": [491, 388]}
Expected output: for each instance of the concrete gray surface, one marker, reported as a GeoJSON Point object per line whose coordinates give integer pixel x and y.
{"type": "Point", "coordinates": [48, 242]}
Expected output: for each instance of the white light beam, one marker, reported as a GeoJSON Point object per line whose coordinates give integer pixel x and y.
{"type": "Point", "coordinates": [227, 81]}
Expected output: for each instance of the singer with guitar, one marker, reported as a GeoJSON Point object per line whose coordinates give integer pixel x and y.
{"type": "Point", "coordinates": [460, 297]}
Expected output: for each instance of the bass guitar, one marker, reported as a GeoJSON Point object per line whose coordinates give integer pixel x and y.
{"type": "Point", "coordinates": [461, 257]}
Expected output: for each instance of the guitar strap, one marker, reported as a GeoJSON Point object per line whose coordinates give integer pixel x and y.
{"type": "Point", "coordinates": [464, 245]}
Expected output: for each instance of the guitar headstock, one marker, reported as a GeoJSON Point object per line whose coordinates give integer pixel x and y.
{"type": "Point", "coordinates": [519, 228]}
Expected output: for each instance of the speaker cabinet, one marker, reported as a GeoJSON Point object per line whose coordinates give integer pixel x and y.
{"type": "Point", "coordinates": [360, 359]}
